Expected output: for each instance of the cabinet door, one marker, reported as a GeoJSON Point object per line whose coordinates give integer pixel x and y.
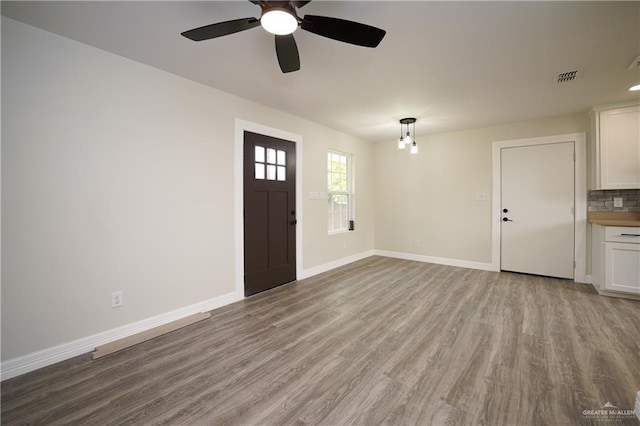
{"type": "Point", "coordinates": [620, 148]}
{"type": "Point", "coordinates": [622, 267]}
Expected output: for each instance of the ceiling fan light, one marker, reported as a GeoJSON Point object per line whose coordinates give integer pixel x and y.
{"type": "Point", "coordinates": [634, 88]}
{"type": "Point", "coordinates": [278, 22]}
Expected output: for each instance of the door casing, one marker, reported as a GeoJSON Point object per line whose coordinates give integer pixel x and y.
{"type": "Point", "coordinates": [580, 231]}
{"type": "Point", "coordinates": [238, 203]}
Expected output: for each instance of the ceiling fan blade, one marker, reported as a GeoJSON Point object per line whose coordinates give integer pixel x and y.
{"type": "Point", "coordinates": [221, 29]}
{"type": "Point", "coordinates": [343, 30]}
{"type": "Point", "coordinates": [299, 3]}
{"type": "Point", "coordinates": [287, 52]}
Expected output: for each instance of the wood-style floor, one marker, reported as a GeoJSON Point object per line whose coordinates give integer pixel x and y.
{"type": "Point", "coordinates": [377, 341]}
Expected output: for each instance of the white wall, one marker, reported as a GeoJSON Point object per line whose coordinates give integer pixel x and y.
{"type": "Point", "coordinates": [430, 197]}
{"type": "Point", "coordinates": [119, 176]}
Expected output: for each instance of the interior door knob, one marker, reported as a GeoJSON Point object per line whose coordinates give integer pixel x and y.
{"type": "Point", "coordinates": [293, 222]}
{"type": "Point", "coordinates": [506, 219]}
{"type": "Point", "coordinates": [505, 210]}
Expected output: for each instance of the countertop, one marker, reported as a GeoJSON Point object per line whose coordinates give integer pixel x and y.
{"type": "Point", "coordinates": [614, 218]}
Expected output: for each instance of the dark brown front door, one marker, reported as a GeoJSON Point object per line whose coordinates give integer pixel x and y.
{"type": "Point", "coordinates": [269, 212]}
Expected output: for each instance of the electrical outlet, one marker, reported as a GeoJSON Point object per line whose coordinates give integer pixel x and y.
{"type": "Point", "coordinates": [116, 299]}
{"type": "Point", "coordinates": [344, 244]}
{"type": "Point", "coordinates": [617, 202]}
{"type": "Point", "coordinates": [416, 243]}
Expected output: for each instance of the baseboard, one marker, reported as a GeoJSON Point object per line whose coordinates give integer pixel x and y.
{"type": "Point", "coordinates": [587, 280]}
{"type": "Point", "coordinates": [629, 296]}
{"type": "Point", "coordinates": [335, 264]}
{"type": "Point", "coordinates": [438, 260]}
{"type": "Point", "coordinates": [35, 360]}
{"type": "Point", "coordinates": [636, 408]}
{"type": "Point", "coordinates": [220, 301]}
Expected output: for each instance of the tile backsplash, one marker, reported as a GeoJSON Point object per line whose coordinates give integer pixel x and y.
{"type": "Point", "coordinates": [602, 200]}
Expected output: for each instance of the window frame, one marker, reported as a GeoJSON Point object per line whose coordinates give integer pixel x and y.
{"type": "Point", "coordinates": [278, 165]}
{"type": "Point", "coordinates": [349, 192]}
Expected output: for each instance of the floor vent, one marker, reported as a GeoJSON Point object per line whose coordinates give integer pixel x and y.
{"type": "Point", "coordinates": [567, 76]}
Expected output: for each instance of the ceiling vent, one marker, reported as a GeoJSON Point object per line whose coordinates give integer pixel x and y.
{"type": "Point", "coordinates": [634, 64]}
{"type": "Point", "coordinates": [567, 76]}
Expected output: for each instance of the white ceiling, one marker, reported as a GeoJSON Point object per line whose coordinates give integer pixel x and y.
{"type": "Point", "coordinates": [453, 65]}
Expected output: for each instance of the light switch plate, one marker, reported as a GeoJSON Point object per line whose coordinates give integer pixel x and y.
{"type": "Point", "coordinates": [617, 202]}
{"type": "Point", "coordinates": [480, 196]}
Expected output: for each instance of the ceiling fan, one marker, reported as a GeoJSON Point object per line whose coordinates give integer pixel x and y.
{"type": "Point", "coordinates": [281, 19]}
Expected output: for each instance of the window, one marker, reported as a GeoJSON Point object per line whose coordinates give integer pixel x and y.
{"type": "Point", "coordinates": [340, 198]}
{"type": "Point", "coordinates": [271, 166]}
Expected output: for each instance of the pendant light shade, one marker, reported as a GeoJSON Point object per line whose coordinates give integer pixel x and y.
{"type": "Point", "coordinates": [408, 139]}
{"type": "Point", "coordinates": [401, 141]}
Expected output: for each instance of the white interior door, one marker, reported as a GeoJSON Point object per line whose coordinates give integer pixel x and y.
{"type": "Point", "coordinates": [537, 197]}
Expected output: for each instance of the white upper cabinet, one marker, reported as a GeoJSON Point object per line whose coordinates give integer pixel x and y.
{"type": "Point", "coordinates": [617, 147]}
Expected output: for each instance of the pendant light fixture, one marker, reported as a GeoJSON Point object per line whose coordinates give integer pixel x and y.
{"type": "Point", "coordinates": [407, 139]}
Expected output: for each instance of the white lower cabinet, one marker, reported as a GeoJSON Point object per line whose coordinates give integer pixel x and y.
{"type": "Point", "coordinates": [616, 259]}
{"type": "Point", "coordinates": [622, 267]}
